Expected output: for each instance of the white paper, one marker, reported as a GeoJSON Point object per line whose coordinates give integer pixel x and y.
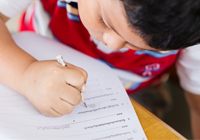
{"type": "Point", "coordinates": [109, 116]}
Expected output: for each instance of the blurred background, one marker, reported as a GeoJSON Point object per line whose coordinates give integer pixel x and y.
{"type": "Point", "coordinates": [167, 101]}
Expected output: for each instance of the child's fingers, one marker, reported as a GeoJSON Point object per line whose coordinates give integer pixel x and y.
{"type": "Point", "coordinates": [83, 88]}
{"type": "Point", "coordinates": [51, 113]}
{"type": "Point", "coordinates": [70, 95]}
{"type": "Point", "coordinates": [55, 113]}
{"type": "Point", "coordinates": [63, 107]}
{"type": "Point", "coordinates": [78, 68]}
{"type": "Point", "coordinates": [83, 71]}
{"type": "Point", "coordinates": [75, 78]}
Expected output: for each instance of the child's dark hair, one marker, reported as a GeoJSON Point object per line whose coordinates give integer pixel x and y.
{"type": "Point", "coordinates": [165, 24]}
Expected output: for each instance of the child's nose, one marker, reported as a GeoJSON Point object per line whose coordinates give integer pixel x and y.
{"type": "Point", "coordinates": [113, 40]}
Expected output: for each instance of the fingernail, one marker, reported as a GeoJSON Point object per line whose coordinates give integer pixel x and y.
{"type": "Point", "coordinates": [83, 89]}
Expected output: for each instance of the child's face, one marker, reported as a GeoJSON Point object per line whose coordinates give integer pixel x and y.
{"type": "Point", "coordinates": [106, 21]}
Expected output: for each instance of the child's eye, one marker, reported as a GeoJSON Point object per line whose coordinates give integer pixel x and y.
{"type": "Point", "coordinates": [102, 23]}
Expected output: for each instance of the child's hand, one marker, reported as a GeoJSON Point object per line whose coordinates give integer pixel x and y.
{"type": "Point", "coordinates": [53, 89]}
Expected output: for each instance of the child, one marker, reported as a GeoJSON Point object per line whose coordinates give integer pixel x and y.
{"type": "Point", "coordinates": [144, 37]}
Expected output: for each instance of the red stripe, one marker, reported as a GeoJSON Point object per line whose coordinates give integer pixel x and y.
{"type": "Point", "coordinates": [27, 26]}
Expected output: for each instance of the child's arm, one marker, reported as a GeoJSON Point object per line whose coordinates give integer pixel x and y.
{"type": "Point", "coordinates": [53, 89]}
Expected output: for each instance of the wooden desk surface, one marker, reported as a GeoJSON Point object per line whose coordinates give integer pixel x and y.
{"type": "Point", "coordinates": [153, 127]}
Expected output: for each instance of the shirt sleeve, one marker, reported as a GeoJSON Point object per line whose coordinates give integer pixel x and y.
{"type": "Point", "coordinates": [12, 7]}
{"type": "Point", "coordinates": [188, 69]}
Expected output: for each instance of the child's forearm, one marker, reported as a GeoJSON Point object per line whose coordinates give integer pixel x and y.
{"type": "Point", "coordinates": [13, 60]}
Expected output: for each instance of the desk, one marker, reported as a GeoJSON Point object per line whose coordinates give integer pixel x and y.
{"type": "Point", "coordinates": [155, 128]}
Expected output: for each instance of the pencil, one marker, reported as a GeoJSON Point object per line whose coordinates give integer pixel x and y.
{"type": "Point", "coordinates": [83, 100]}
{"type": "Point", "coordinates": [62, 62]}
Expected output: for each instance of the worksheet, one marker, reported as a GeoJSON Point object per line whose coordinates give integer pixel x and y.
{"type": "Point", "coordinates": [109, 114]}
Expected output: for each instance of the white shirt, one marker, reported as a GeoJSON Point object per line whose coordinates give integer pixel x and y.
{"type": "Point", "coordinates": [11, 8]}
{"type": "Point", "coordinates": [188, 69]}
{"type": "Point", "coordinates": [188, 63]}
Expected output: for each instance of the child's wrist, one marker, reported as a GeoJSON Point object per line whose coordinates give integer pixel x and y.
{"type": "Point", "coordinates": [25, 78]}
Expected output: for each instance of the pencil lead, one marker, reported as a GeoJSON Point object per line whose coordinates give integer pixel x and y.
{"type": "Point", "coordinates": [85, 105]}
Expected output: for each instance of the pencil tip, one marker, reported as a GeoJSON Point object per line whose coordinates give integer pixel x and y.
{"type": "Point", "coordinates": [85, 105]}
